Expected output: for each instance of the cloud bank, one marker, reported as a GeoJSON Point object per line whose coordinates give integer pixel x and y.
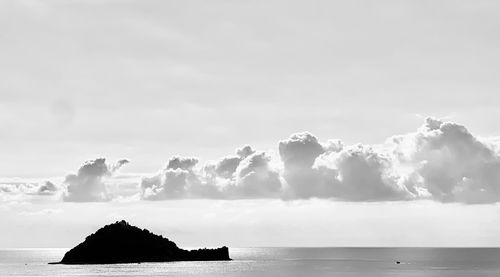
{"type": "Point", "coordinates": [442, 161]}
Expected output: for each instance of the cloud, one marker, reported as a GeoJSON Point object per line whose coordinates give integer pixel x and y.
{"type": "Point", "coordinates": [182, 163]}
{"type": "Point", "coordinates": [331, 170]}
{"type": "Point", "coordinates": [255, 178]}
{"type": "Point", "coordinates": [88, 184]}
{"type": "Point", "coordinates": [246, 175]}
{"type": "Point", "coordinates": [48, 188]}
{"type": "Point", "coordinates": [177, 180]}
{"type": "Point", "coordinates": [298, 154]}
{"type": "Point", "coordinates": [115, 167]}
{"type": "Point", "coordinates": [441, 161]}
{"type": "Point", "coordinates": [29, 188]}
{"type": "Point", "coordinates": [359, 173]}
{"type": "Point", "coordinates": [18, 191]}
{"type": "Point", "coordinates": [226, 167]}
{"type": "Point", "coordinates": [450, 164]}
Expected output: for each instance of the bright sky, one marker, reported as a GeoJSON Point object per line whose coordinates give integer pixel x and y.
{"type": "Point", "coordinates": [147, 80]}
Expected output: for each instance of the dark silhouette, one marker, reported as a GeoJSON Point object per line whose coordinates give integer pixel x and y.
{"type": "Point", "coordinates": [121, 242]}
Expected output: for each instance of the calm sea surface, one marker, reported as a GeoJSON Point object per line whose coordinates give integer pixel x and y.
{"type": "Point", "coordinates": [371, 262]}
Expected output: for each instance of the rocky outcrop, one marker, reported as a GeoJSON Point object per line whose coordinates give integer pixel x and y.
{"type": "Point", "coordinates": [121, 242]}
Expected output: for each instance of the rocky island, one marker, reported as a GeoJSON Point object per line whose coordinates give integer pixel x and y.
{"type": "Point", "coordinates": [121, 242]}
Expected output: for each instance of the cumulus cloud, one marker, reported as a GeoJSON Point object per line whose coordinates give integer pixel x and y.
{"type": "Point", "coordinates": [442, 161]}
{"type": "Point", "coordinates": [88, 184]}
{"type": "Point", "coordinates": [450, 164]}
{"type": "Point", "coordinates": [226, 167]}
{"type": "Point", "coordinates": [330, 170]}
{"type": "Point", "coordinates": [255, 178]}
{"type": "Point", "coordinates": [298, 154]}
{"type": "Point", "coordinates": [248, 174]}
{"type": "Point", "coordinates": [359, 173]}
{"type": "Point", "coordinates": [179, 179]}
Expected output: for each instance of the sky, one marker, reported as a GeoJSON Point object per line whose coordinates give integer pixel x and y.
{"type": "Point", "coordinates": [262, 123]}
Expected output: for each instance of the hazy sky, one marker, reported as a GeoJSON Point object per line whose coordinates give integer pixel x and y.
{"type": "Point", "coordinates": [149, 80]}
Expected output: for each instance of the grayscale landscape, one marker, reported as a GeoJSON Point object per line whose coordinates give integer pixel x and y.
{"type": "Point", "coordinates": [249, 138]}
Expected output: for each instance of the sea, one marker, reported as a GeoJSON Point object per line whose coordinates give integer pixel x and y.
{"type": "Point", "coordinates": [267, 261]}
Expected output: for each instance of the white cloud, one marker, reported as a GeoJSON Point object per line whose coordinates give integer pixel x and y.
{"type": "Point", "coordinates": [445, 159]}
{"type": "Point", "coordinates": [255, 178]}
{"type": "Point", "coordinates": [359, 173]}
{"type": "Point", "coordinates": [298, 154]}
{"type": "Point", "coordinates": [88, 184]}
{"type": "Point", "coordinates": [179, 179]}
{"type": "Point", "coordinates": [442, 161]}
{"type": "Point", "coordinates": [246, 175]}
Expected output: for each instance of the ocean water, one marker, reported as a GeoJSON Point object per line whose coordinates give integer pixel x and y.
{"type": "Point", "coordinates": [290, 262]}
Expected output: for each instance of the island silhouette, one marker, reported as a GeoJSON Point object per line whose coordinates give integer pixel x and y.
{"type": "Point", "coordinates": [121, 242]}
